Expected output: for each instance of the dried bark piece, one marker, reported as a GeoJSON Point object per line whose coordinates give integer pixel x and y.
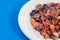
{"type": "Point", "coordinates": [54, 13]}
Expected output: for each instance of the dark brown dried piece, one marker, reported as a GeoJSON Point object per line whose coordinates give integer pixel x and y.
{"type": "Point", "coordinates": [44, 8]}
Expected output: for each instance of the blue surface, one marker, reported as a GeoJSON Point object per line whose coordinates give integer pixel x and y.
{"type": "Point", "coordinates": [9, 28]}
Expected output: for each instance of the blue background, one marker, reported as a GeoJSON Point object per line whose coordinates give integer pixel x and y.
{"type": "Point", "coordinates": [9, 28]}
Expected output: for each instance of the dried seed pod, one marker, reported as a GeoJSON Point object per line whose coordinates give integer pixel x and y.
{"type": "Point", "coordinates": [58, 17]}
{"type": "Point", "coordinates": [56, 34]}
{"type": "Point", "coordinates": [38, 6]}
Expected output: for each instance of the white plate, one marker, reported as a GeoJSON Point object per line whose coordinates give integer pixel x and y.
{"type": "Point", "coordinates": [24, 19]}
